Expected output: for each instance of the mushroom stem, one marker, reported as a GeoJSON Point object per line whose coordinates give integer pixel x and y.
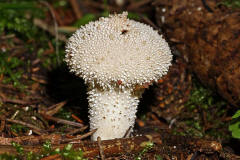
{"type": "Point", "coordinates": [112, 112]}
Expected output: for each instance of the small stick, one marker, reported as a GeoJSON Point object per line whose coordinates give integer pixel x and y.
{"type": "Point", "coordinates": [127, 132]}
{"type": "Point", "coordinates": [15, 101]}
{"type": "Point", "coordinates": [2, 125]}
{"type": "Point", "coordinates": [41, 24]}
{"type": "Point", "coordinates": [206, 6]}
{"type": "Point", "coordinates": [148, 21]}
{"type": "Point", "coordinates": [76, 10]}
{"type": "Point", "coordinates": [100, 5]}
{"type": "Point", "coordinates": [45, 3]}
{"type": "Point", "coordinates": [86, 134]}
{"type": "Point", "coordinates": [76, 118]}
{"type": "Point", "coordinates": [100, 148]}
{"type": "Point", "coordinates": [32, 139]}
{"type": "Point", "coordinates": [136, 5]}
{"type": "Point", "coordinates": [7, 36]}
{"type": "Point", "coordinates": [67, 29]}
{"type": "Point", "coordinates": [35, 129]}
{"type": "Point", "coordinates": [52, 157]}
{"type": "Point", "coordinates": [62, 121]}
{"type": "Point", "coordinates": [9, 86]}
{"type": "Point", "coordinates": [77, 130]}
{"type": "Point", "coordinates": [38, 79]}
{"type": "Point", "coordinates": [15, 114]}
{"type": "Point", "coordinates": [55, 108]}
{"type": "Point", "coordinates": [73, 140]}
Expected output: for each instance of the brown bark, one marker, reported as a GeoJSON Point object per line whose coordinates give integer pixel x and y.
{"type": "Point", "coordinates": [208, 36]}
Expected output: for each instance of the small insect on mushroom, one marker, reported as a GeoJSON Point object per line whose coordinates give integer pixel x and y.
{"type": "Point", "coordinates": [118, 55]}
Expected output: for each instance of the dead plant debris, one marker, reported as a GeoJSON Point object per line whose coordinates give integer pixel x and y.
{"type": "Point", "coordinates": [43, 108]}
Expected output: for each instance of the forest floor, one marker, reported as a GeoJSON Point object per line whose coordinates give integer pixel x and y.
{"type": "Point", "coordinates": [43, 105]}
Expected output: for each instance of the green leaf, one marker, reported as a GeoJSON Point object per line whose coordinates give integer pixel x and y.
{"type": "Point", "coordinates": [18, 148]}
{"type": "Point", "coordinates": [134, 16]}
{"type": "Point", "coordinates": [68, 147]}
{"type": "Point", "coordinates": [234, 128]}
{"type": "Point", "coordinates": [236, 115]}
{"type": "Point", "coordinates": [47, 146]}
{"type": "Point", "coordinates": [236, 134]}
{"type": "Point", "coordinates": [158, 157]}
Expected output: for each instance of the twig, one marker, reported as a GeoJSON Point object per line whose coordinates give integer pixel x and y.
{"type": "Point", "coordinates": [127, 132]}
{"type": "Point", "coordinates": [229, 156]}
{"type": "Point", "coordinates": [55, 26]}
{"type": "Point", "coordinates": [32, 140]}
{"type": "Point", "coordinates": [9, 36]}
{"type": "Point", "coordinates": [42, 81]}
{"type": "Point", "coordinates": [206, 6]}
{"type": "Point", "coordinates": [194, 156]}
{"type": "Point", "coordinates": [75, 7]}
{"type": "Point", "coordinates": [76, 118]}
{"type": "Point", "coordinates": [148, 21]}
{"type": "Point", "coordinates": [16, 101]}
{"type": "Point", "coordinates": [8, 86]}
{"type": "Point", "coordinates": [41, 24]}
{"type": "Point", "coordinates": [77, 130]}
{"type": "Point", "coordinates": [137, 5]}
{"type": "Point", "coordinates": [15, 114]}
{"type": "Point", "coordinates": [35, 129]}
{"type": "Point", "coordinates": [52, 157]}
{"type": "Point", "coordinates": [38, 78]}
{"type": "Point", "coordinates": [67, 29]}
{"type": "Point", "coordinates": [100, 5]}
{"type": "Point", "coordinates": [74, 140]}
{"type": "Point", "coordinates": [100, 148]}
{"type": "Point", "coordinates": [2, 125]}
{"type": "Point", "coordinates": [62, 121]}
{"type": "Point", "coordinates": [55, 108]}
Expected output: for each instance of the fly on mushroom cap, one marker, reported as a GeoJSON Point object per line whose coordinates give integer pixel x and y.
{"type": "Point", "coordinates": [117, 51]}
{"type": "Point", "coordinates": [113, 55]}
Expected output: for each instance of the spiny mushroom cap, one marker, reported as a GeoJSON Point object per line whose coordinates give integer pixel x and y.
{"type": "Point", "coordinates": [117, 51]}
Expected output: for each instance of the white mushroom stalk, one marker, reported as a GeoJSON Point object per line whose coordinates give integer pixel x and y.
{"type": "Point", "coordinates": [114, 55]}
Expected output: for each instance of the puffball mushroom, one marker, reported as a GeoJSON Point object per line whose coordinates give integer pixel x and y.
{"type": "Point", "coordinates": [114, 55]}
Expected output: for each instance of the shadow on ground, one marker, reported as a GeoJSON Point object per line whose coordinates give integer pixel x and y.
{"type": "Point", "coordinates": [64, 85]}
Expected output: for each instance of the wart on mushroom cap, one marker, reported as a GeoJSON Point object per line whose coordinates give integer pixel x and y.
{"type": "Point", "coordinates": [113, 55]}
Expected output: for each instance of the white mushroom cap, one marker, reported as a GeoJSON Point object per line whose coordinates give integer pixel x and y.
{"type": "Point", "coordinates": [117, 51]}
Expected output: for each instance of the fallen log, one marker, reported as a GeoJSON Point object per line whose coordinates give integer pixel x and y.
{"type": "Point", "coordinates": [165, 144]}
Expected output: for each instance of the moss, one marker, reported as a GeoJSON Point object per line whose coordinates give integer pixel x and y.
{"type": "Point", "coordinates": [234, 127]}
{"type": "Point", "coordinates": [10, 69]}
{"type": "Point", "coordinates": [231, 3]}
{"type": "Point", "coordinates": [15, 17]}
{"type": "Point", "coordinates": [147, 146]}
{"type": "Point", "coordinates": [17, 20]}
{"type": "Point", "coordinates": [158, 157]}
{"type": "Point", "coordinates": [17, 128]}
{"type": "Point", "coordinates": [66, 153]}
{"type": "Point", "coordinates": [203, 114]}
